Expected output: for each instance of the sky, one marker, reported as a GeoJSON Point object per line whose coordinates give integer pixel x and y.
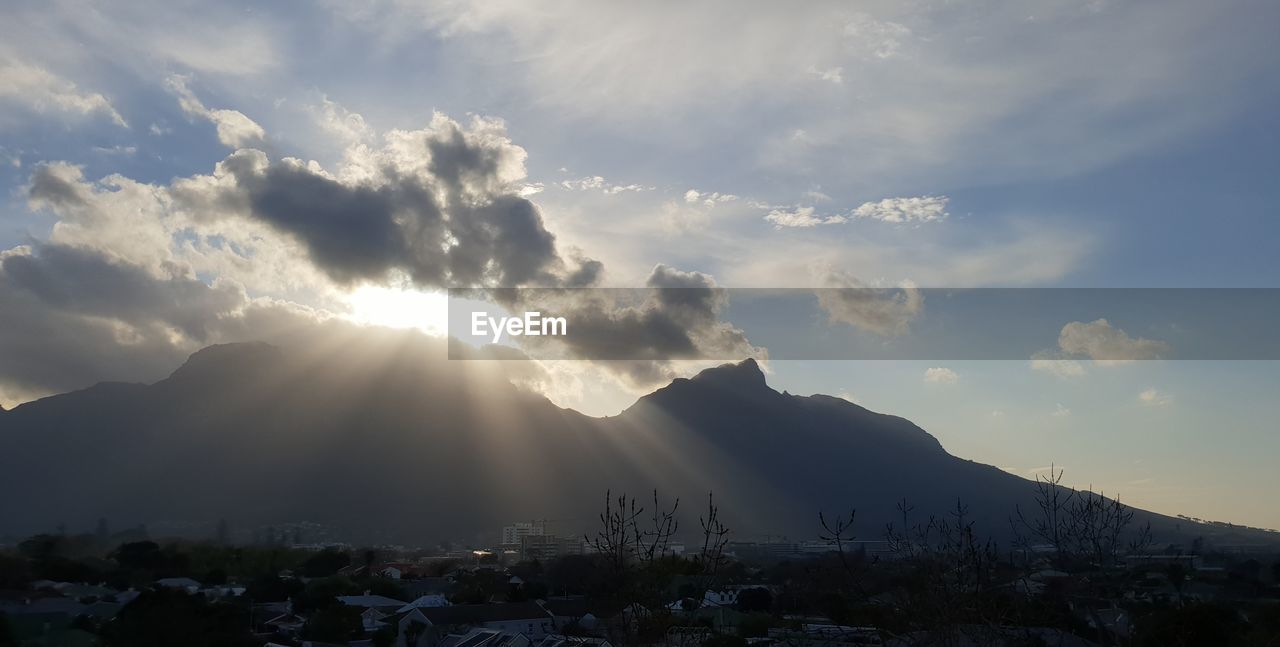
{"type": "Point", "coordinates": [178, 174]}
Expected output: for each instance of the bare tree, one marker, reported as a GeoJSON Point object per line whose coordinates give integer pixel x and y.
{"type": "Point", "coordinates": [617, 537]}
{"type": "Point", "coordinates": [1079, 525]}
{"type": "Point", "coordinates": [715, 535]}
{"type": "Point", "coordinates": [632, 551]}
{"type": "Point", "coordinates": [655, 542]}
{"type": "Point", "coordinates": [1097, 526]}
{"type": "Point", "coordinates": [949, 576]}
{"type": "Point", "coordinates": [1051, 524]}
{"type": "Point", "coordinates": [839, 532]}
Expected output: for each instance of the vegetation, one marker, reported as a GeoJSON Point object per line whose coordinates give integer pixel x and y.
{"type": "Point", "coordinates": [1076, 566]}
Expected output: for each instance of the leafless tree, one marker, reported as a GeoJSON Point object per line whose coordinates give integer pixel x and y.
{"type": "Point", "coordinates": [655, 542]}
{"type": "Point", "coordinates": [1078, 525]}
{"type": "Point", "coordinates": [715, 535]}
{"type": "Point", "coordinates": [631, 550]}
{"type": "Point", "coordinates": [838, 532]}
{"type": "Point", "coordinates": [952, 573]}
{"type": "Point", "coordinates": [616, 540]}
{"type": "Point", "coordinates": [1097, 526]}
{"type": "Point", "coordinates": [1051, 524]}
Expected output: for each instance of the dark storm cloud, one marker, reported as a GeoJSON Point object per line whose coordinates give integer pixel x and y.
{"type": "Point", "coordinates": [70, 317]}
{"type": "Point", "coordinates": [438, 205]}
{"type": "Point", "coordinates": [350, 233]}
{"type": "Point", "coordinates": [637, 333]}
{"type": "Point", "coordinates": [84, 282]}
{"type": "Point", "coordinates": [57, 186]}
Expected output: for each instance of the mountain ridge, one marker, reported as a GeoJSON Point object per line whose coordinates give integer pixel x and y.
{"type": "Point", "coordinates": [388, 439]}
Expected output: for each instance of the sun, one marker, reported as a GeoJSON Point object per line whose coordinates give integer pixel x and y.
{"type": "Point", "coordinates": [400, 308]}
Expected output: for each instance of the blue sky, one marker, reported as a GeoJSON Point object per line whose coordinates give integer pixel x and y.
{"type": "Point", "coordinates": [1053, 143]}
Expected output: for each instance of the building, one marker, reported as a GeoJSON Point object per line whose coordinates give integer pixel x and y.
{"type": "Point", "coordinates": [513, 534]}
{"type": "Point", "coordinates": [430, 626]}
{"type": "Point", "coordinates": [486, 638]}
{"type": "Point", "coordinates": [544, 547]}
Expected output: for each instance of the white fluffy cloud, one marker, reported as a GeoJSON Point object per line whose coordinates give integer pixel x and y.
{"type": "Point", "coordinates": [1057, 366]}
{"type": "Point", "coordinates": [800, 217]}
{"type": "Point", "coordinates": [1154, 398]}
{"type": "Point", "coordinates": [598, 183]}
{"type": "Point", "coordinates": [235, 130]}
{"type": "Point", "coordinates": [708, 199]}
{"type": "Point", "coordinates": [1098, 341]}
{"type": "Point", "coordinates": [904, 210]}
{"type": "Point", "coordinates": [35, 88]}
{"type": "Point", "coordinates": [896, 211]}
{"type": "Point", "coordinates": [941, 375]}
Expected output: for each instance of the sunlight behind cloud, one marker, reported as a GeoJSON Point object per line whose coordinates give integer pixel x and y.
{"type": "Point", "coordinates": [398, 308]}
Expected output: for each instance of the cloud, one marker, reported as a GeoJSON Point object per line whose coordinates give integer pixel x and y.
{"type": "Point", "coordinates": [939, 375]}
{"type": "Point", "coordinates": [340, 123]}
{"type": "Point", "coordinates": [883, 311]}
{"type": "Point", "coordinates": [1153, 398]}
{"type": "Point", "coordinates": [925, 89]}
{"type": "Point", "coordinates": [41, 91]}
{"type": "Point", "coordinates": [117, 277]}
{"type": "Point", "coordinates": [904, 210]}
{"type": "Point", "coordinates": [833, 75]}
{"type": "Point", "coordinates": [75, 316]}
{"type": "Point", "coordinates": [643, 335]}
{"type": "Point", "coordinates": [892, 210]}
{"type": "Point", "coordinates": [850, 397]}
{"type": "Point", "coordinates": [1098, 341]}
{"type": "Point", "coordinates": [708, 199]}
{"type": "Point", "coordinates": [598, 183]}
{"type": "Point", "coordinates": [153, 271]}
{"type": "Point", "coordinates": [1103, 343]}
{"type": "Point", "coordinates": [235, 130]}
{"type": "Point", "coordinates": [1060, 411]}
{"type": "Point", "coordinates": [1057, 366]}
{"type": "Point", "coordinates": [800, 217]}
{"type": "Point", "coordinates": [874, 38]}
{"type": "Point", "coordinates": [441, 205]}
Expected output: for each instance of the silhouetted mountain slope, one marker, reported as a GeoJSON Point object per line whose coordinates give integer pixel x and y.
{"type": "Point", "coordinates": [384, 437]}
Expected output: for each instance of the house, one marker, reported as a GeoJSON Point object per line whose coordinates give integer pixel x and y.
{"type": "Point", "coordinates": [427, 586]}
{"type": "Point", "coordinates": [486, 638]}
{"type": "Point", "coordinates": [429, 626]}
{"type": "Point", "coordinates": [215, 592]}
{"type": "Point", "coordinates": [558, 640]}
{"type": "Point", "coordinates": [570, 612]}
{"type": "Point", "coordinates": [426, 601]}
{"type": "Point", "coordinates": [1190, 562]}
{"type": "Point", "coordinates": [725, 598]}
{"type": "Point", "coordinates": [288, 624]}
{"type": "Point", "coordinates": [370, 601]}
{"type": "Point", "coordinates": [376, 609]}
{"type": "Point", "coordinates": [826, 635]}
{"type": "Point", "coordinates": [372, 620]}
{"type": "Point", "coordinates": [45, 621]}
{"type": "Point", "coordinates": [182, 583]}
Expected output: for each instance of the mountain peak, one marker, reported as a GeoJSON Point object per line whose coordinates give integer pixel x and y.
{"type": "Point", "coordinates": [221, 358]}
{"type": "Point", "coordinates": [737, 375]}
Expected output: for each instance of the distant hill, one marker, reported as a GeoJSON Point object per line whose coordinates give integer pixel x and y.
{"type": "Point", "coordinates": [385, 438]}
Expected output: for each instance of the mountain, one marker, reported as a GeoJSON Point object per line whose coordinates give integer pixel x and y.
{"type": "Point", "coordinates": [388, 440]}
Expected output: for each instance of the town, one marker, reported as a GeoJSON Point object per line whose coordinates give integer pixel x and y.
{"type": "Point", "coordinates": [631, 581]}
